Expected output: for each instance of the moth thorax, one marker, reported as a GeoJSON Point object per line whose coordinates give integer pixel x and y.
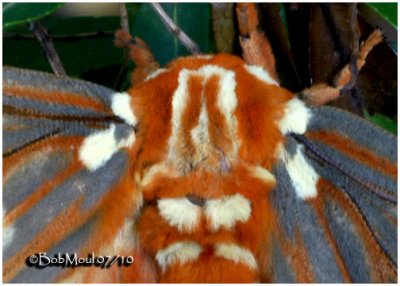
{"type": "Point", "coordinates": [203, 120]}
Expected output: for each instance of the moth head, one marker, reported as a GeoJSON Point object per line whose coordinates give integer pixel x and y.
{"type": "Point", "coordinates": [208, 112]}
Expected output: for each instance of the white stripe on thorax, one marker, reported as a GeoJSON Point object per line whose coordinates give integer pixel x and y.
{"type": "Point", "coordinates": [226, 102]}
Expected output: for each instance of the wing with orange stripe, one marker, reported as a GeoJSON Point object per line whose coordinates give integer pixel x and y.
{"type": "Point", "coordinates": [67, 186]}
{"type": "Point", "coordinates": [336, 201]}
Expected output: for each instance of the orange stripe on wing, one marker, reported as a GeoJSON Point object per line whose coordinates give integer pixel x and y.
{"type": "Point", "coordinates": [381, 267]}
{"type": "Point", "coordinates": [119, 204]}
{"type": "Point", "coordinates": [354, 150]}
{"type": "Point", "coordinates": [41, 192]}
{"type": "Point", "coordinates": [15, 160]}
{"type": "Point", "coordinates": [65, 223]}
{"type": "Point", "coordinates": [56, 97]}
{"type": "Point", "coordinates": [317, 203]}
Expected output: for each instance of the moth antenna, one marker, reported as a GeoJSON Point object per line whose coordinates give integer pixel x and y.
{"type": "Point", "coordinates": [189, 44]}
{"type": "Point", "coordinates": [256, 48]}
{"type": "Point", "coordinates": [139, 53]}
{"type": "Point", "coordinates": [320, 94]}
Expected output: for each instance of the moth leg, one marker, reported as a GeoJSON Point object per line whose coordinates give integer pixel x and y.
{"type": "Point", "coordinates": [139, 53]}
{"type": "Point", "coordinates": [320, 94]}
{"type": "Point", "coordinates": [256, 48]}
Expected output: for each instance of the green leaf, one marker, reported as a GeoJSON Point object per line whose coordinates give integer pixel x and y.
{"type": "Point", "coordinates": [382, 121]}
{"type": "Point", "coordinates": [193, 18]}
{"type": "Point", "coordinates": [21, 13]}
{"type": "Point", "coordinates": [386, 10]}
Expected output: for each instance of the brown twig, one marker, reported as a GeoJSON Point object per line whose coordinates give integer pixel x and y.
{"type": "Point", "coordinates": [124, 26]}
{"type": "Point", "coordinates": [99, 34]}
{"type": "Point", "coordinates": [189, 44]}
{"type": "Point", "coordinates": [47, 45]}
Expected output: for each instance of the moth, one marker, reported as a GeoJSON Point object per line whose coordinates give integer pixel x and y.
{"type": "Point", "coordinates": [206, 171]}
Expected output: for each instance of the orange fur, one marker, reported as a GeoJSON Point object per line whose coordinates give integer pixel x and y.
{"type": "Point", "coordinates": [209, 270]}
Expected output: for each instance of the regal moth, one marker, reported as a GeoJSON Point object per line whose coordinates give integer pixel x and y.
{"type": "Point", "coordinates": [208, 171]}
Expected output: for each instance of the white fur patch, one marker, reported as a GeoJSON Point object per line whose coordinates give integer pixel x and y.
{"type": "Point", "coordinates": [302, 174]}
{"type": "Point", "coordinates": [179, 103]}
{"type": "Point", "coordinates": [296, 117]}
{"type": "Point", "coordinates": [236, 253]}
{"type": "Point", "coordinates": [99, 147]}
{"type": "Point", "coordinates": [262, 173]}
{"type": "Point", "coordinates": [8, 235]}
{"type": "Point", "coordinates": [205, 57]}
{"type": "Point", "coordinates": [225, 212]}
{"type": "Point", "coordinates": [155, 74]}
{"type": "Point", "coordinates": [121, 106]}
{"type": "Point", "coordinates": [261, 74]}
{"type": "Point", "coordinates": [180, 213]}
{"type": "Point", "coordinates": [180, 252]}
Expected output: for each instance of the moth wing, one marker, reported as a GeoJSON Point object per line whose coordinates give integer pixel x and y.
{"type": "Point", "coordinates": [67, 186]}
{"type": "Point", "coordinates": [336, 202]}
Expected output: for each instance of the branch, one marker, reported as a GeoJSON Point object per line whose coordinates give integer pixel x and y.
{"type": "Point", "coordinates": [47, 45]}
{"type": "Point", "coordinates": [189, 44]}
{"type": "Point", "coordinates": [124, 17]}
{"type": "Point", "coordinates": [99, 34]}
{"type": "Point", "coordinates": [124, 27]}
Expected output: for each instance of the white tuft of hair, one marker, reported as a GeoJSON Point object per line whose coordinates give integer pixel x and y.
{"type": "Point", "coordinates": [301, 173]}
{"type": "Point", "coordinates": [228, 210]}
{"type": "Point", "coordinates": [236, 253]}
{"type": "Point", "coordinates": [180, 252]}
{"type": "Point", "coordinates": [180, 213]}
{"type": "Point", "coordinates": [296, 117]}
{"type": "Point", "coordinates": [99, 147]}
{"type": "Point", "coordinates": [121, 106]}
